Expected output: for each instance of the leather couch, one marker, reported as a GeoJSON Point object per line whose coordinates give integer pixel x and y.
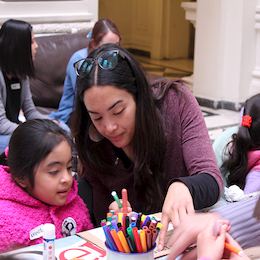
{"type": "Point", "coordinates": [50, 64]}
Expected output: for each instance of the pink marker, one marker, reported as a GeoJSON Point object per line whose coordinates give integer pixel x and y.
{"type": "Point", "coordinates": [124, 198]}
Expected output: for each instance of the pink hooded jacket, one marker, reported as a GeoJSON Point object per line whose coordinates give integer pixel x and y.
{"type": "Point", "coordinates": [20, 213]}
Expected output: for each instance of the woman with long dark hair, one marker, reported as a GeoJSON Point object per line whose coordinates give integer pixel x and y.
{"type": "Point", "coordinates": [17, 51]}
{"type": "Point", "coordinates": [151, 140]}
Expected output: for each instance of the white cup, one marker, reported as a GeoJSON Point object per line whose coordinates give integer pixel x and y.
{"type": "Point", "coordinates": [115, 255]}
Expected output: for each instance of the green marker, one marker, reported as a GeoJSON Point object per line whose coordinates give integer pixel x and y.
{"type": "Point", "coordinates": [113, 193]}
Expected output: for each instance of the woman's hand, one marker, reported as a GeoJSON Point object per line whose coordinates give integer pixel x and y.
{"type": "Point", "coordinates": [177, 204]}
{"type": "Point", "coordinates": [114, 206]}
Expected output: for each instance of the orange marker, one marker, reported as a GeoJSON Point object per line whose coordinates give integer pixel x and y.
{"type": "Point", "coordinates": [122, 239]}
{"type": "Point", "coordinates": [233, 249]}
{"type": "Point", "coordinates": [143, 240]}
{"type": "Point", "coordinates": [117, 241]}
{"type": "Point", "coordinates": [124, 198]}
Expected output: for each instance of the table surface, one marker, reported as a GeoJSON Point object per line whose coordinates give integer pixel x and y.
{"type": "Point", "coordinates": [67, 248]}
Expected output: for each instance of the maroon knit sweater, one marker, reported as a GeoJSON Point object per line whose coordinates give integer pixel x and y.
{"type": "Point", "coordinates": [189, 157]}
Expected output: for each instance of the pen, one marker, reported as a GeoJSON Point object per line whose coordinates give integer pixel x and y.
{"type": "Point", "coordinates": [124, 198]}
{"type": "Point", "coordinates": [233, 249]}
{"type": "Point", "coordinates": [114, 194]}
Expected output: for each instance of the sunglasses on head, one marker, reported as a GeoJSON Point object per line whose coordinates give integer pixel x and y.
{"type": "Point", "coordinates": [106, 60]}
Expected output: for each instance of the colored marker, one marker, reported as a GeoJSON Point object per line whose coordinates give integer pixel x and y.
{"type": "Point", "coordinates": [114, 224]}
{"type": "Point", "coordinates": [152, 226]}
{"type": "Point", "coordinates": [145, 228]}
{"type": "Point", "coordinates": [148, 239]}
{"type": "Point", "coordinates": [120, 218]}
{"type": "Point", "coordinates": [123, 242]}
{"type": "Point", "coordinates": [126, 222]}
{"type": "Point", "coordinates": [143, 240]}
{"type": "Point", "coordinates": [137, 240]}
{"type": "Point", "coordinates": [119, 225]}
{"type": "Point", "coordinates": [147, 219]}
{"type": "Point", "coordinates": [114, 194]}
{"type": "Point", "coordinates": [130, 243]}
{"type": "Point", "coordinates": [130, 232]}
{"type": "Point", "coordinates": [133, 224]}
{"type": "Point", "coordinates": [138, 221]}
{"type": "Point", "coordinates": [154, 236]}
{"type": "Point", "coordinates": [103, 222]}
{"type": "Point", "coordinates": [117, 241]}
{"type": "Point", "coordinates": [122, 229]}
{"type": "Point", "coordinates": [109, 238]}
{"type": "Point", "coordinates": [233, 249]}
{"type": "Point", "coordinates": [124, 198]}
{"type": "Point", "coordinates": [159, 225]}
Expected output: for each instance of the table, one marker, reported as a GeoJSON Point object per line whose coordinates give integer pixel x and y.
{"type": "Point", "coordinates": [69, 248]}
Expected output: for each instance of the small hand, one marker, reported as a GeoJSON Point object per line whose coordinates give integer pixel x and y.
{"type": "Point", "coordinates": [186, 234]}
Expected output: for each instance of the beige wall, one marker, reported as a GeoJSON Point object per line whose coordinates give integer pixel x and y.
{"type": "Point", "coordinates": [155, 26]}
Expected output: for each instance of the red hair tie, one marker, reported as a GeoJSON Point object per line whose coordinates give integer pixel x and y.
{"type": "Point", "coordinates": [246, 121]}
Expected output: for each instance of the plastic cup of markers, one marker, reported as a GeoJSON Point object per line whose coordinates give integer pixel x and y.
{"type": "Point", "coordinates": [115, 255]}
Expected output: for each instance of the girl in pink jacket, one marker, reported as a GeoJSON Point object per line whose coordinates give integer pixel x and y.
{"type": "Point", "coordinates": [37, 186]}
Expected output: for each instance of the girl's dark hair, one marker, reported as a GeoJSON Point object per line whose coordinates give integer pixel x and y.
{"type": "Point", "coordinates": [101, 28]}
{"type": "Point", "coordinates": [30, 143]}
{"type": "Point", "coordinates": [245, 140]}
{"type": "Point", "coordinates": [149, 139]}
{"type": "Point", "coordinates": [15, 49]}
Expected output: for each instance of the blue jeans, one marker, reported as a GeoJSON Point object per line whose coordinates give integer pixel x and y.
{"type": "Point", "coordinates": [4, 142]}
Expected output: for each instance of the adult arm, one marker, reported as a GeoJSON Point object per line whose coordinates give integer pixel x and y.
{"type": "Point", "coordinates": [203, 186]}
{"type": "Point", "coordinates": [27, 105]}
{"type": "Point", "coordinates": [6, 126]}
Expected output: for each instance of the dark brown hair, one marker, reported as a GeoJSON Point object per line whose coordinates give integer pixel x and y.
{"type": "Point", "coordinates": [30, 143]}
{"type": "Point", "coordinates": [101, 28]}
{"type": "Point", "coordinates": [245, 140]}
{"type": "Point", "coordinates": [15, 49]}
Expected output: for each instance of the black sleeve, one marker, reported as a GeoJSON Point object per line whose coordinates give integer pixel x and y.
{"type": "Point", "coordinates": [203, 187]}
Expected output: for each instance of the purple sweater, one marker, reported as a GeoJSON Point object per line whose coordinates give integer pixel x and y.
{"type": "Point", "coordinates": [188, 153]}
{"type": "Point", "coordinates": [20, 213]}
